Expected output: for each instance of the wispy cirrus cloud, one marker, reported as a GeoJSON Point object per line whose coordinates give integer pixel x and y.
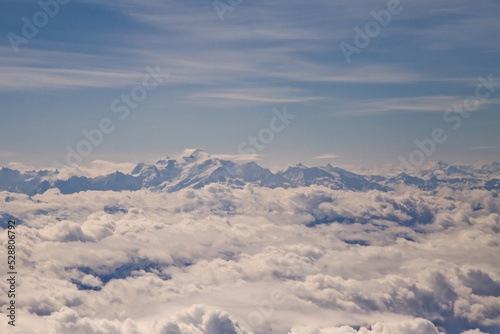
{"type": "Point", "coordinates": [442, 103]}
{"type": "Point", "coordinates": [27, 78]}
{"type": "Point", "coordinates": [231, 97]}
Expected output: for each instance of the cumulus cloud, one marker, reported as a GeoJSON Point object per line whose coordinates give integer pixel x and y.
{"type": "Point", "coordinates": [255, 260]}
{"type": "Point", "coordinates": [414, 326]}
{"type": "Point", "coordinates": [199, 319]}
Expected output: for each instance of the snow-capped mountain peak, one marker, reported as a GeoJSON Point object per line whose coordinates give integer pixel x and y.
{"type": "Point", "coordinates": [191, 156]}
{"type": "Point", "coordinates": [196, 168]}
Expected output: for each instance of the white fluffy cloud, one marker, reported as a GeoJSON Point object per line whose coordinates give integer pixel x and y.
{"type": "Point", "coordinates": [414, 326]}
{"type": "Point", "coordinates": [254, 260]}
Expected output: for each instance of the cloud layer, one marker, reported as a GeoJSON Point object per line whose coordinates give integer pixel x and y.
{"type": "Point", "coordinates": [219, 260]}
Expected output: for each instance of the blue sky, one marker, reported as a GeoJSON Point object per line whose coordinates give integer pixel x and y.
{"type": "Point", "coordinates": [225, 77]}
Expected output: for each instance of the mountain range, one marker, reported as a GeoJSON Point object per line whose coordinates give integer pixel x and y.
{"type": "Point", "coordinates": [197, 169]}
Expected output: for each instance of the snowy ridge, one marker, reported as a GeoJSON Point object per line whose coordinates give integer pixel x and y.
{"type": "Point", "coordinates": [196, 169]}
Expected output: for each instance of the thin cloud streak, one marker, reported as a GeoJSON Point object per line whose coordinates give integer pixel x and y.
{"type": "Point", "coordinates": [233, 97]}
{"type": "Point", "coordinates": [327, 156]}
{"type": "Point", "coordinates": [239, 157]}
{"type": "Point", "coordinates": [439, 104]}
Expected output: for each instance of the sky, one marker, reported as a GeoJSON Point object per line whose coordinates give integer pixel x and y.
{"type": "Point", "coordinates": [224, 71]}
